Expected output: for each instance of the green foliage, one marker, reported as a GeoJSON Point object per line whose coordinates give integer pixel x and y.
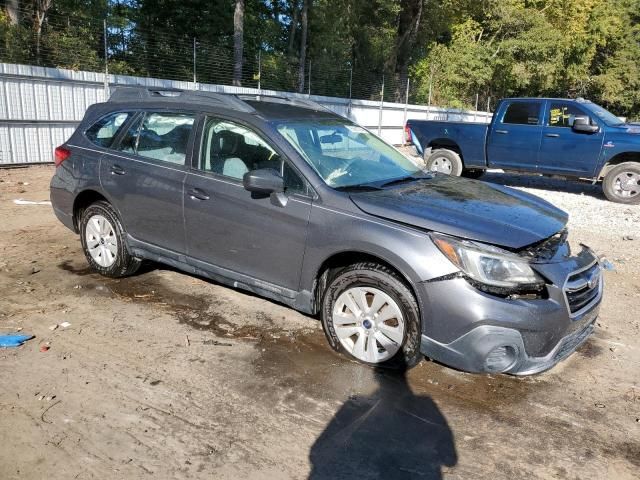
{"type": "Point", "coordinates": [460, 53]}
{"type": "Point", "coordinates": [539, 48]}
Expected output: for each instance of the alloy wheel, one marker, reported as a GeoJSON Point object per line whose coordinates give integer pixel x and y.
{"type": "Point", "coordinates": [369, 324]}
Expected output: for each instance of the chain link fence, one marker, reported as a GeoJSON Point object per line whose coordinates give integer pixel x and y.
{"type": "Point", "coordinates": [112, 45]}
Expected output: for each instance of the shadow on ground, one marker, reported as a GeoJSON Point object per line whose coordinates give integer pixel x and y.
{"type": "Point", "coordinates": [392, 433]}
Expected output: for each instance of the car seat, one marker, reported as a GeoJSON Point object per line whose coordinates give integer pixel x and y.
{"type": "Point", "coordinates": [226, 148]}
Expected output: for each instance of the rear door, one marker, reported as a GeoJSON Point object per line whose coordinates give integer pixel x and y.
{"type": "Point", "coordinates": [564, 151]}
{"type": "Point", "coordinates": [514, 139]}
{"type": "Point", "coordinates": [232, 231]}
{"type": "Point", "coordinates": [144, 176]}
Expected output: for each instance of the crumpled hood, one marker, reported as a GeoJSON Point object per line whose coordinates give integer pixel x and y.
{"type": "Point", "coordinates": [466, 208]}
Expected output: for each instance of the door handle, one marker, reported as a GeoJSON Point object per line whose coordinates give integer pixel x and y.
{"type": "Point", "coordinates": [502, 132]}
{"type": "Point", "coordinates": [117, 170]}
{"type": "Point", "coordinates": [197, 194]}
{"type": "Point", "coordinates": [552, 135]}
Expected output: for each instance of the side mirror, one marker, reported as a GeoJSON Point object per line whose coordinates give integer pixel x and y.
{"type": "Point", "coordinates": [264, 181]}
{"type": "Point", "coordinates": [581, 124]}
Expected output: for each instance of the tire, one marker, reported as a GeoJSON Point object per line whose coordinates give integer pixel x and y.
{"type": "Point", "coordinates": [103, 242]}
{"type": "Point", "coordinates": [472, 173]}
{"type": "Point", "coordinates": [622, 183]}
{"type": "Point", "coordinates": [444, 161]}
{"type": "Point", "coordinates": [399, 347]}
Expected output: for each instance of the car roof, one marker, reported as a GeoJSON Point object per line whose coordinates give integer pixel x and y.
{"type": "Point", "coordinates": [269, 107]}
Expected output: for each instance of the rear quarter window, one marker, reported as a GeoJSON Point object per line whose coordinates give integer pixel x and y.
{"type": "Point", "coordinates": [103, 132]}
{"type": "Point", "coordinates": [522, 113]}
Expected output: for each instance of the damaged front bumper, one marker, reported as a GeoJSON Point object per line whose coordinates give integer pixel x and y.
{"type": "Point", "coordinates": [486, 333]}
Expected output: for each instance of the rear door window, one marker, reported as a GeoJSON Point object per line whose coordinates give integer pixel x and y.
{"type": "Point", "coordinates": [522, 113]}
{"type": "Point", "coordinates": [159, 136]}
{"type": "Point", "coordinates": [105, 130]}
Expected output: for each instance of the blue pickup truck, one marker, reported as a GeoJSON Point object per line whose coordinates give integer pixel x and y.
{"type": "Point", "coordinates": [574, 139]}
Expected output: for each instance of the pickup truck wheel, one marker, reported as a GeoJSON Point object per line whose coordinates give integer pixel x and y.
{"type": "Point", "coordinates": [103, 242]}
{"type": "Point", "coordinates": [369, 314]}
{"type": "Point", "coordinates": [444, 161]}
{"type": "Point", "coordinates": [622, 183]}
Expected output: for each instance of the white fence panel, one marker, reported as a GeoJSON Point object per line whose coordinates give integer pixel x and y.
{"type": "Point", "coordinates": [40, 107]}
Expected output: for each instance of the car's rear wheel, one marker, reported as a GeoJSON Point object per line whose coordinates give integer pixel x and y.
{"type": "Point", "coordinates": [622, 183]}
{"type": "Point", "coordinates": [103, 241]}
{"type": "Point", "coordinates": [370, 314]}
{"type": "Point", "coordinates": [445, 161]}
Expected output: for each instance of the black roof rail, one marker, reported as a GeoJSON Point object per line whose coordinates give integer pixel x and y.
{"type": "Point", "coordinates": [302, 102]}
{"type": "Point", "coordinates": [137, 94]}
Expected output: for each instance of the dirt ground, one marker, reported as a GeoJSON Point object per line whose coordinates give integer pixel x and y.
{"type": "Point", "coordinates": [165, 375]}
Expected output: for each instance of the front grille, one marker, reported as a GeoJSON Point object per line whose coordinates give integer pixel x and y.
{"type": "Point", "coordinates": [573, 341]}
{"type": "Point", "coordinates": [583, 287]}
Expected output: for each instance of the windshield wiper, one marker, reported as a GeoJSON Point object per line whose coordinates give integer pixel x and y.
{"type": "Point", "coordinates": [357, 188]}
{"type": "Point", "coordinates": [407, 179]}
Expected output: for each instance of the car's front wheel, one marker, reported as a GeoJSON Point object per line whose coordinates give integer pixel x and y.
{"type": "Point", "coordinates": [370, 314]}
{"type": "Point", "coordinates": [103, 241]}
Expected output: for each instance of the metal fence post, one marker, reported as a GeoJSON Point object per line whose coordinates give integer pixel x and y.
{"type": "Point", "coordinates": [106, 61]}
{"type": "Point", "coordinates": [195, 78]}
{"type": "Point", "coordinates": [406, 105]}
{"type": "Point", "coordinates": [260, 69]}
{"type": "Point", "coordinates": [350, 87]}
{"type": "Point", "coordinates": [309, 77]}
{"type": "Point", "coordinates": [430, 85]}
{"type": "Point", "coordinates": [381, 105]}
{"type": "Point", "coordinates": [475, 112]}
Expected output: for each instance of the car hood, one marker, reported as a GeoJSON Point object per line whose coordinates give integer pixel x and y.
{"type": "Point", "coordinates": [466, 208]}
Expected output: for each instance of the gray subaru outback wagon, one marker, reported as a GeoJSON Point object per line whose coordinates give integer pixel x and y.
{"type": "Point", "coordinates": [290, 201]}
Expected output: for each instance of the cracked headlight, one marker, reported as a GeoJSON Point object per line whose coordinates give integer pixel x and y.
{"type": "Point", "coordinates": [489, 265]}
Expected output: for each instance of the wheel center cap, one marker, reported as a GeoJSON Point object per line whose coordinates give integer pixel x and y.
{"type": "Point", "coordinates": [367, 324]}
{"type": "Point", "coordinates": [102, 241]}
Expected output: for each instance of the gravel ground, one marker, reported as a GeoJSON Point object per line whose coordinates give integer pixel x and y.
{"type": "Point", "coordinates": [166, 375]}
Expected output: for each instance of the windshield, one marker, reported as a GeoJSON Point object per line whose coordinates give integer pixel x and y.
{"type": "Point", "coordinates": [605, 115]}
{"type": "Point", "coordinates": [344, 154]}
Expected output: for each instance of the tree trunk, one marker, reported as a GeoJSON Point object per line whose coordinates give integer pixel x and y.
{"type": "Point", "coordinates": [408, 26]}
{"type": "Point", "coordinates": [41, 7]}
{"type": "Point", "coordinates": [12, 11]}
{"type": "Point", "coordinates": [238, 40]}
{"type": "Point", "coordinates": [303, 45]}
{"type": "Point", "coordinates": [294, 26]}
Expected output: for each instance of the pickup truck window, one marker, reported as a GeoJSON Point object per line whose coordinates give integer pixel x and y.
{"type": "Point", "coordinates": [562, 114]}
{"type": "Point", "coordinates": [522, 113]}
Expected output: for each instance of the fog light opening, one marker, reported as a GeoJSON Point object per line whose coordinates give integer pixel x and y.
{"type": "Point", "coordinates": [501, 358]}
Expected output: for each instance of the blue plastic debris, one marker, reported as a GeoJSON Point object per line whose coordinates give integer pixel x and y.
{"type": "Point", "coordinates": [9, 341]}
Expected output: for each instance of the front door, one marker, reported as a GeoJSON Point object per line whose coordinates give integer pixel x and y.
{"type": "Point", "coordinates": [564, 151]}
{"type": "Point", "coordinates": [229, 229]}
{"type": "Point", "coordinates": [144, 177]}
{"type": "Point", "coordinates": [514, 139]}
